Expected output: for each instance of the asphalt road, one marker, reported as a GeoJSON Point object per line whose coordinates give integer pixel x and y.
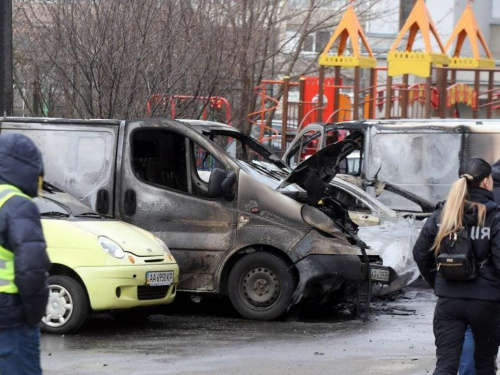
{"type": "Point", "coordinates": [210, 338]}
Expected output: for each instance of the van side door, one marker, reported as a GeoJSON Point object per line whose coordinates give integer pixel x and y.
{"type": "Point", "coordinates": [165, 174]}
{"type": "Point", "coordinates": [423, 161]}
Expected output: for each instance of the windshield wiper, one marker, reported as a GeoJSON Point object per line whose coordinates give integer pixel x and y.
{"type": "Point", "coordinates": [54, 214]}
{"type": "Point", "coordinates": [264, 170]}
{"type": "Point", "coordinates": [93, 214]}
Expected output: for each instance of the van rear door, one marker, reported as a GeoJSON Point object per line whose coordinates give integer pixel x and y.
{"type": "Point", "coordinates": [79, 156]}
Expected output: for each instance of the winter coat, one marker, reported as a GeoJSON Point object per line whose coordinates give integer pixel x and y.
{"type": "Point", "coordinates": [495, 173]}
{"type": "Point", "coordinates": [21, 233]}
{"type": "Point", "coordinates": [485, 242]}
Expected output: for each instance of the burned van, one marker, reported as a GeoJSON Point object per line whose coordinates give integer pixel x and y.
{"type": "Point", "coordinates": [229, 233]}
{"type": "Point", "coordinates": [420, 156]}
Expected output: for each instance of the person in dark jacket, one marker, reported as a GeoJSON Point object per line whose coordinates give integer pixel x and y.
{"type": "Point", "coordinates": [495, 173]}
{"type": "Point", "coordinates": [24, 263]}
{"type": "Point", "coordinates": [466, 366]}
{"type": "Point", "coordinates": [474, 303]}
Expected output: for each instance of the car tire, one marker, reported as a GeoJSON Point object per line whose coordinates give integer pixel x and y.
{"type": "Point", "coordinates": [261, 286]}
{"type": "Point", "coordinates": [67, 307]}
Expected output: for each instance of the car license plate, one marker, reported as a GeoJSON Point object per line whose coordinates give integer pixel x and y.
{"type": "Point", "coordinates": [379, 275]}
{"type": "Point", "coordinates": [159, 278]}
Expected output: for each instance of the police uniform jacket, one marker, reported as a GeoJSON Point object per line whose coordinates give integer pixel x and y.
{"type": "Point", "coordinates": [486, 246]}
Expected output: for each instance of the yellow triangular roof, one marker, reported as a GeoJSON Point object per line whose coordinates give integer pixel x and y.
{"type": "Point", "coordinates": [349, 27]}
{"type": "Point", "coordinates": [419, 19]}
{"type": "Point", "coordinates": [418, 63]}
{"type": "Point", "coordinates": [467, 27]}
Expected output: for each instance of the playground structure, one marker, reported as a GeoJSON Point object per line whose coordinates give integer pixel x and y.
{"type": "Point", "coordinates": [214, 108]}
{"type": "Point", "coordinates": [432, 91]}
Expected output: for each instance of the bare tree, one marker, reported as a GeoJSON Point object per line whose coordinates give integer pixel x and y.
{"type": "Point", "coordinates": [106, 58]}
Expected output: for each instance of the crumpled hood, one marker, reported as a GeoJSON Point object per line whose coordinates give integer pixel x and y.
{"type": "Point", "coordinates": [320, 168]}
{"type": "Point", "coordinates": [20, 163]}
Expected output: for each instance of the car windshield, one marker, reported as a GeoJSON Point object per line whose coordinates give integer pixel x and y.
{"type": "Point", "coordinates": [249, 152]}
{"type": "Point", "coordinates": [54, 202]}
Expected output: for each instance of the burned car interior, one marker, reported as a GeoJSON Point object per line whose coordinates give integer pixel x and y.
{"type": "Point", "coordinates": [309, 144]}
{"type": "Point", "coordinates": [313, 175]}
{"type": "Point", "coordinates": [160, 159]}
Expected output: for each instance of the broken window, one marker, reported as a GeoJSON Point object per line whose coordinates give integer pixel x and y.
{"type": "Point", "coordinates": [351, 202]}
{"type": "Point", "coordinates": [333, 136]}
{"type": "Point", "coordinates": [159, 157]}
{"type": "Point", "coordinates": [307, 145]}
{"type": "Point", "coordinates": [205, 163]}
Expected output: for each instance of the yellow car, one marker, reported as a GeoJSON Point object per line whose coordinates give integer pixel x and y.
{"type": "Point", "coordinates": [99, 263]}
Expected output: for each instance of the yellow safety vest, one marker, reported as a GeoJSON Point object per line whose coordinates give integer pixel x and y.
{"type": "Point", "coordinates": [7, 257]}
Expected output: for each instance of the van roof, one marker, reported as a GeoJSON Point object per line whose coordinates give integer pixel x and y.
{"type": "Point", "coordinates": [475, 125]}
{"type": "Point", "coordinates": [47, 120]}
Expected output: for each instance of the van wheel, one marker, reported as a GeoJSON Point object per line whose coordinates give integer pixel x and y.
{"type": "Point", "coordinates": [261, 286]}
{"type": "Point", "coordinates": [67, 307]}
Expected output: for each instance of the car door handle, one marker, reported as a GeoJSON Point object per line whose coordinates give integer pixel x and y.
{"type": "Point", "coordinates": [130, 203]}
{"type": "Point", "coordinates": [102, 203]}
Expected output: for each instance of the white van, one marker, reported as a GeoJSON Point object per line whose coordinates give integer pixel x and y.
{"type": "Point", "coordinates": [420, 156]}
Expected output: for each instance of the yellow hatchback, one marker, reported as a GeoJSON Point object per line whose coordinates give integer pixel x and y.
{"type": "Point", "coordinates": [99, 263]}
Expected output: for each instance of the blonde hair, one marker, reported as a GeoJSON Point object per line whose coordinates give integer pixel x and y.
{"type": "Point", "coordinates": [453, 211]}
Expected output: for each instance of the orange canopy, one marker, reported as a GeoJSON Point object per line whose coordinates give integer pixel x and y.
{"type": "Point", "coordinates": [349, 27]}
{"type": "Point", "coordinates": [467, 27]}
{"type": "Point", "coordinates": [416, 62]}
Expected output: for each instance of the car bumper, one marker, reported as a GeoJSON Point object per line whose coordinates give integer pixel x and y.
{"type": "Point", "coordinates": [122, 287]}
{"type": "Point", "coordinates": [322, 275]}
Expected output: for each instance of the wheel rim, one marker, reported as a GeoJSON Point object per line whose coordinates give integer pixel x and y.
{"type": "Point", "coordinates": [59, 308]}
{"type": "Point", "coordinates": [260, 287]}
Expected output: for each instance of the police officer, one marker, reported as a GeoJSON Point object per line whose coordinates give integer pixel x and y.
{"type": "Point", "coordinates": [24, 263]}
{"type": "Point", "coordinates": [474, 303]}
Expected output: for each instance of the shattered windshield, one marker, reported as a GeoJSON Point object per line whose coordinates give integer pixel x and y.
{"type": "Point", "coordinates": [53, 202]}
{"type": "Point", "coordinates": [249, 152]}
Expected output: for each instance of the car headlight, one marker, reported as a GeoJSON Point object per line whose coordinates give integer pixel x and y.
{"type": "Point", "coordinates": [111, 247]}
{"type": "Point", "coordinates": [319, 220]}
{"type": "Point", "coordinates": [163, 245]}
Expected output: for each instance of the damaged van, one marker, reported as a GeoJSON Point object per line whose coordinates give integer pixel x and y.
{"type": "Point", "coordinates": [229, 233]}
{"type": "Point", "coordinates": [420, 156]}
{"type": "Point", "coordinates": [390, 233]}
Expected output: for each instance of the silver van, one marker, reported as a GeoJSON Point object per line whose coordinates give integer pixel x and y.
{"type": "Point", "coordinates": [229, 233]}
{"type": "Point", "coordinates": [420, 156]}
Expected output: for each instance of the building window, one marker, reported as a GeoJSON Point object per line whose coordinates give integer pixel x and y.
{"type": "Point", "coordinates": [314, 43]}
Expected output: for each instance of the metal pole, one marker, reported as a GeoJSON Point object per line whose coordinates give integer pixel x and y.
{"type": "Point", "coordinates": [475, 109]}
{"type": "Point", "coordinates": [489, 111]}
{"type": "Point", "coordinates": [373, 94]}
{"type": "Point", "coordinates": [6, 80]}
{"type": "Point", "coordinates": [357, 78]}
{"type": "Point", "coordinates": [336, 95]}
{"type": "Point", "coordinates": [428, 87]}
{"type": "Point", "coordinates": [302, 95]}
{"type": "Point", "coordinates": [284, 115]}
{"type": "Point", "coordinates": [404, 97]}
{"type": "Point", "coordinates": [321, 83]}
{"type": "Point", "coordinates": [442, 78]}
{"type": "Point", "coordinates": [388, 97]}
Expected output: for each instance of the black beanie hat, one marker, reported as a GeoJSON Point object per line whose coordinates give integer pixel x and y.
{"type": "Point", "coordinates": [474, 170]}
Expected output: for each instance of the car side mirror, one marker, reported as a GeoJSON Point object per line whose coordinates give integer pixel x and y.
{"type": "Point", "coordinates": [217, 176]}
{"type": "Point", "coordinates": [221, 184]}
{"type": "Point", "coordinates": [227, 185]}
